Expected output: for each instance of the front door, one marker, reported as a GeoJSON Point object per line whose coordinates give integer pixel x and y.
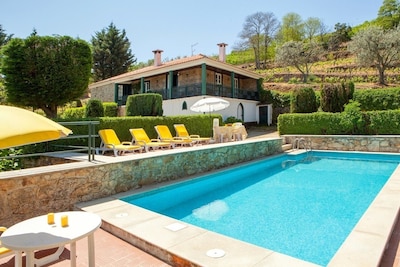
{"type": "Point", "coordinates": [263, 111]}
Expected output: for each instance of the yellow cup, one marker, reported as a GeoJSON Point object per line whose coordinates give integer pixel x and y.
{"type": "Point", "coordinates": [64, 221]}
{"type": "Point", "coordinates": [50, 218]}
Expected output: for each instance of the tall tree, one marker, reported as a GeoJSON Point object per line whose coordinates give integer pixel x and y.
{"type": "Point", "coordinates": [46, 72]}
{"type": "Point", "coordinates": [376, 47]}
{"type": "Point", "coordinates": [300, 55]}
{"type": "Point", "coordinates": [4, 38]}
{"type": "Point", "coordinates": [258, 32]}
{"type": "Point", "coordinates": [111, 53]}
{"type": "Point", "coordinates": [341, 34]}
{"type": "Point", "coordinates": [389, 14]}
{"type": "Point", "coordinates": [270, 29]}
{"type": "Point", "coordinates": [313, 27]}
{"type": "Point", "coordinates": [292, 28]}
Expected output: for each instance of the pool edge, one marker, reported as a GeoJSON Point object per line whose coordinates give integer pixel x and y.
{"type": "Point", "coordinates": [147, 230]}
{"type": "Point", "coordinates": [366, 244]}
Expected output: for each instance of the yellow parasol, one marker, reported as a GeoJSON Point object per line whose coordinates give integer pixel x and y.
{"type": "Point", "coordinates": [22, 127]}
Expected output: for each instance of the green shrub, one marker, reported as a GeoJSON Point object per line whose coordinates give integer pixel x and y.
{"type": "Point", "coordinates": [378, 99]}
{"type": "Point", "coordinates": [266, 97]}
{"type": "Point", "coordinates": [384, 122]}
{"type": "Point", "coordinates": [350, 88]}
{"type": "Point", "coordinates": [352, 121]}
{"type": "Point", "coordinates": [195, 124]}
{"type": "Point", "coordinates": [144, 105]}
{"type": "Point", "coordinates": [73, 113]}
{"type": "Point", "coordinates": [94, 109]}
{"type": "Point", "coordinates": [10, 163]}
{"type": "Point", "coordinates": [335, 96]}
{"type": "Point", "coordinates": [303, 101]}
{"type": "Point", "coordinates": [280, 104]}
{"type": "Point", "coordinates": [280, 99]}
{"type": "Point", "coordinates": [232, 120]}
{"type": "Point", "coordinates": [110, 109]}
{"type": "Point", "coordinates": [312, 123]}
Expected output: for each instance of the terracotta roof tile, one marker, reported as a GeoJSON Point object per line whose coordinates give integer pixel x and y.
{"type": "Point", "coordinates": [163, 65]}
{"type": "Point", "coordinates": [175, 62]}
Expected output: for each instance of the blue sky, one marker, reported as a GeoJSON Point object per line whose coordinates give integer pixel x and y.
{"type": "Point", "coordinates": [178, 27]}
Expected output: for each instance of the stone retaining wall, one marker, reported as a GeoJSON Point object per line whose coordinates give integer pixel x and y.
{"type": "Point", "coordinates": [33, 162]}
{"type": "Point", "coordinates": [32, 192]}
{"type": "Point", "coordinates": [371, 143]}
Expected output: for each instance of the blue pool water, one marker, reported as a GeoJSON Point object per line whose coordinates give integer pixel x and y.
{"type": "Point", "coordinates": [300, 205]}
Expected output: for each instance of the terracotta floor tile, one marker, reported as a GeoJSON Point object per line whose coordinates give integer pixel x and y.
{"type": "Point", "coordinates": [391, 257]}
{"type": "Point", "coordinates": [110, 252]}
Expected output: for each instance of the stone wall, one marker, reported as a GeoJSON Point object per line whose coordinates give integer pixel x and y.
{"type": "Point", "coordinates": [371, 143]}
{"type": "Point", "coordinates": [104, 93]}
{"type": "Point", "coordinates": [38, 161]}
{"type": "Point", "coordinates": [32, 192]}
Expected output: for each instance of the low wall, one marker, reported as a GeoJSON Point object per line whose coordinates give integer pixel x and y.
{"type": "Point", "coordinates": [32, 192]}
{"type": "Point", "coordinates": [371, 143]}
{"type": "Point", "coordinates": [33, 162]}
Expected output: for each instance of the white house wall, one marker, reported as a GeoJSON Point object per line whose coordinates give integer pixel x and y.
{"type": "Point", "coordinates": [173, 107]}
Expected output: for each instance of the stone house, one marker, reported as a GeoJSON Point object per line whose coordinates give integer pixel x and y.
{"type": "Point", "coordinates": [184, 81]}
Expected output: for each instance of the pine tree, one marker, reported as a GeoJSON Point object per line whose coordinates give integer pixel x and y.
{"type": "Point", "coordinates": [111, 53]}
{"type": "Point", "coordinates": [4, 38]}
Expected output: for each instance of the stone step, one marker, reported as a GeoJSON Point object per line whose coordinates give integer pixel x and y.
{"type": "Point", "coordinates": [286, 147]}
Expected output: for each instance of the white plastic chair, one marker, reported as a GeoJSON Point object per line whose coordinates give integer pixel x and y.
{"type": "Point", "coordinates": [217, 135]}
{"type": "Point", "coordinates": [4, 252]}
{"type": "Point", "coordinates": [237, 135]}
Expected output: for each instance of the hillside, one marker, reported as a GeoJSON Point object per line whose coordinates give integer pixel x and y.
{"type": "Point", "coordinates": [332, 70]}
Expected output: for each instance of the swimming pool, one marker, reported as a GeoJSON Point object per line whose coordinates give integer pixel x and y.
{"type": "Point", "coordinates": [296, 213]}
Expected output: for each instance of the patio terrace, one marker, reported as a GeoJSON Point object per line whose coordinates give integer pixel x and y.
{"type": "Point", "coordinates": [112, 251]}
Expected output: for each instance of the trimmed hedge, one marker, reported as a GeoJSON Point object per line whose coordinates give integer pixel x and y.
{"type": "Point", "coordinates": [73, 113]}
{"type": "Point", "coordinates": [311, 123]}
{"type": "Point", "coordinates": [94, 109]}
{"type": "Point", "coordinates": [378, 99]}
{"type": "Point", "coordinates": [384, 122]}
{"type": "Point", "coordinates": [303, 100]}
{"type": "Point", "coordinates": [372, 122]}
{"type": "Point", "coordinates": [195, 124]}
{"type": "Point", "coordinates": [110, 109]}
{"type": "Point", "coordinates": [335, 96]}
{"type": "Point", "coordinates": [149, 104]}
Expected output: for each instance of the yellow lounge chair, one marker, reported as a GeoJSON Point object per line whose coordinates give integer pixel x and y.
{"type": "Point", "coordinates": [181, 131]}
{"type": "Point", "coordinates": [165, 135]}
{"type": "Point", "coordinates": [4, 252]}
{"type": "Point", "coordinates": [110, 141]}
{"type": "Point", "coordinates": [140, 137]}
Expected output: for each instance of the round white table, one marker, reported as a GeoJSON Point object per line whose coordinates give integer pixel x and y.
{"type": "Point", "coordinates": [36, 234]}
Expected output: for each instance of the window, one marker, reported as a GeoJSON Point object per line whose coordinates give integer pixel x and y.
{"type": "Point", "coordinates": [218, 78]}
{"type": "Point", "coordinates": [146, 86]}
{"type": "Point", "coordinates": [236, 81]}
{"type": "Point", "coordinates": [175, 80]}
{"type": "Point", "coordinates": [120, 91]}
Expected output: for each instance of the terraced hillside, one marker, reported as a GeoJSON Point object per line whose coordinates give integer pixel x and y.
{"type": "Point", "coordinates": [329, 71]}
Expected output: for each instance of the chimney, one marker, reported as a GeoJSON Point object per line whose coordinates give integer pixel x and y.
{"type": "Point", "coordinates": [157, 57]}
{"type": "Point", "coordinates": [222, 52]}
